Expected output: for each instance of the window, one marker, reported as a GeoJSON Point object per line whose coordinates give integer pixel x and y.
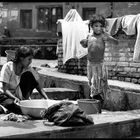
{"type": "Point", "coordinates": [26, 19]}
{"type": "Point", "coordinates": [47, 18]}
{"type": "Point", "coordinates": [87, 12]}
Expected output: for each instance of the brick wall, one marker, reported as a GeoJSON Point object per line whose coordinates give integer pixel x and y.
{"type": "Point", "coordinates": [72, 66]}
{"type": "Point", "coordinates": [118, 59]}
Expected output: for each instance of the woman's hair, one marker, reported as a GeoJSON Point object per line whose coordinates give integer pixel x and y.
{"type": "Point", "coordinates": [23, 51]}
{"type": "Point", "coordinates": [97, 18]}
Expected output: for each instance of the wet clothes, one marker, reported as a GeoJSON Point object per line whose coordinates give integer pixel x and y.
{"type": "Point", "coordinates": [97, 74]}
{"type": "Point", "coordinates": [66, 114]}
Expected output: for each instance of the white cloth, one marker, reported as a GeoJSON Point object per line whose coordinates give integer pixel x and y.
{"type": "Point", "coordinates": [111, 23]}
{"type": "Point", "coordinates": [73, 33]}
{"type": "Point", "coordinates": [73, 15]}
{"type": "Point", "coordinates": [74, 29]}
{"type": "Point", "coordinates": [8, 76]}
{"type": "Point", "coordinates": [131, 26]}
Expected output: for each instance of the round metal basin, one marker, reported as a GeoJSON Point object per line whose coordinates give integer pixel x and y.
{"type": "Point", "coordinates": [34, 107]}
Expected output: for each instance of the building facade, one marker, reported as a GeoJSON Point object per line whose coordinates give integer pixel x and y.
{"type": "Point", "coordinates": [38, 19]}
{"type": "Point", "coordinates": [31, 19]}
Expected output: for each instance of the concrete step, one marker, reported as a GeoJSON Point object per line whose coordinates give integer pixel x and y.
{"type": "Point", "coordinates": [106, 125]}
{"type": "Point", "coordinates": [57, 93]}
{"type": "Point", "coordinates": [121, 96]}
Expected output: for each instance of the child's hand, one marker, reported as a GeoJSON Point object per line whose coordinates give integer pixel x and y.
{"type": "Point", "coordinates": [83, 42]}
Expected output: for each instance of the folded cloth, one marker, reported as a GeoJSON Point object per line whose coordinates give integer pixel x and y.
{"type": "Point", "coordinates": [66, 114]}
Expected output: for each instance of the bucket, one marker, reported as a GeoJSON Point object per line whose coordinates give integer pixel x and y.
{"type": "Point", "coordinates": [89, 106]}
{"type": "Point", "coordinates": [10, 54]}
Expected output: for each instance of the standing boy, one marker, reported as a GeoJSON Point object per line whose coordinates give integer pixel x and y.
{"type": "Point", "coordinates": [95, 43]}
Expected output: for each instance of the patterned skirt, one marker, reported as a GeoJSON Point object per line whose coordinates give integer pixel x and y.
{"type": "Point", "coordinates": [97, 74]}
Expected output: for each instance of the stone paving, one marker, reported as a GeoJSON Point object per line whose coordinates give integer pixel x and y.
{"type": "Point", "coordinates": [106, 125]}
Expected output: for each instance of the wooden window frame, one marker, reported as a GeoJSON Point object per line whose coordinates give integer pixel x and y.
{"type": "Point", "coordinates": [21, 26]}
{"type": "Point", "coordinates": [50, 10]}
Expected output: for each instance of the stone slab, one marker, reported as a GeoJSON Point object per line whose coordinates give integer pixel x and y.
{"type": "Point", "coordinates": [127, 95]}
{"type": "Point", "coordinates": [57, 93]}
{"type": "Point", "coordinates": [83, 79]}
{"type": "Point", "coordinates": [119, 124]}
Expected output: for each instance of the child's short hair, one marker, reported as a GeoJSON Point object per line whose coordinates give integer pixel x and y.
{"type": "Point", "coordinates": [97, 18]}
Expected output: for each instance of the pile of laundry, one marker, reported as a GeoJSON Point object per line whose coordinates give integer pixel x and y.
{"type": "Point", "coordinates": [66, 114]}
{"type": "Point", "coordinates": [15, 117]}
{"type": "Point", "coordinates": [9, 116]}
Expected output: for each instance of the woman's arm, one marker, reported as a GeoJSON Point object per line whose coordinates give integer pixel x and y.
{"type": "Point", "coordinates": [41, 91]}
{"type": "Point", "coordinates": [8, 93]}
{"type": "Point", "coordinates": [37, 78]}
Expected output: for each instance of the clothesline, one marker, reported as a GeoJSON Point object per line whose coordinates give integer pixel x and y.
{"type": "Point", "coordinates": [74, 29]}
{"type": "Point", "coordinates": [130, 24]}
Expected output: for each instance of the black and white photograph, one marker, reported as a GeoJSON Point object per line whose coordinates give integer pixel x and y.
{"type": "Point", "coordinates": [69, 69]}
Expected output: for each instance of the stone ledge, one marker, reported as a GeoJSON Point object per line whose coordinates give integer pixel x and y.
{"type": "Point", "coordinates": [83, 80]}
{"type": "Point", "coordinates": [124, 85]}
{"type": "Point", "coordinates": [119, 124]}
{"type": "Point", "coordinates": [122, 96]}
{"type": "Point", "coordinates": [57, 93]}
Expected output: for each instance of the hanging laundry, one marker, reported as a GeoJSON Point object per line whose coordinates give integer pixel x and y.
{"type": "Point", "coordinates": [131, 26]}
{"type": "Point", "coordinates": [113, 25]}
{"type": "Point", "coordinates": [74, 29]}
{"type": "Point", "coordinates": [73, 15]}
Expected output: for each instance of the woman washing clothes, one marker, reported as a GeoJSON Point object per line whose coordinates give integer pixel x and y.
{"type": "Point", "coordinates": [17, 80]}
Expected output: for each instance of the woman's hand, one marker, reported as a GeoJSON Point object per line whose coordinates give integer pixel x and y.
{"type": "Point", "coordinates": [17, 100]}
